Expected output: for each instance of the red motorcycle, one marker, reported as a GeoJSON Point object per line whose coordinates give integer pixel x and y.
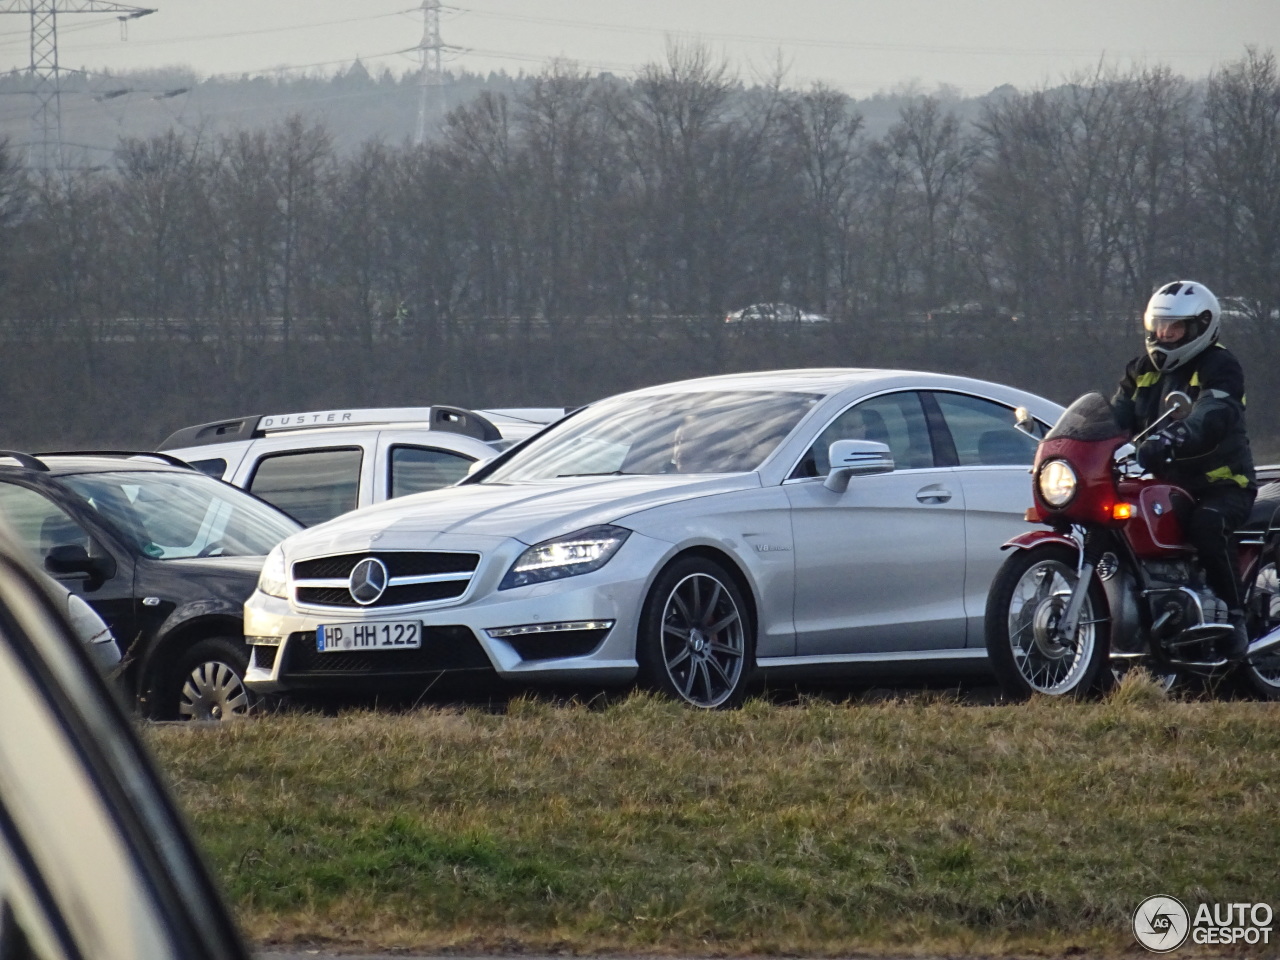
{"type": "Point", "coordinates": [1112, 582]}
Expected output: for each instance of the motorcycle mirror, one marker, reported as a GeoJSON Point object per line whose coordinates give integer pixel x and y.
{"type": "Point", "coordinates": [1177, 405]}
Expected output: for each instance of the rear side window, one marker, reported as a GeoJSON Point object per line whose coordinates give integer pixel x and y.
{"type": "Point", "coordinates": [984, 432]}
{"type": "Point", "coordinates": [312, 486]}
{"type": "Point", "coordinates": [419, 469]}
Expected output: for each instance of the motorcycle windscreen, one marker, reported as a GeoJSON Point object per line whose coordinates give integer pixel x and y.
{"type": "Point", "coordinates": [1089, 418]}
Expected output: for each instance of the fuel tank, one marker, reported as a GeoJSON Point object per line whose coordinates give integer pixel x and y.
{"type": "Point", "coordinates": [1160, 512]}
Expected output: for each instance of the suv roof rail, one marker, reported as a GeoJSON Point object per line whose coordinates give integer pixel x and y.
{"type": "Point", "coordinates": [449, 419]}
{"type": "Point", "coordinates": [123, 454]}
{"type": "Point", "coordinates": [24, 460]}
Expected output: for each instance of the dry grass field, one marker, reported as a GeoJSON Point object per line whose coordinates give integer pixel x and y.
{"type": "Point", "coordinates": [814, 829]}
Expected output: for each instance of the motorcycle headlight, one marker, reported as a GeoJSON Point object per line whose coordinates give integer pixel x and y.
{"type": "Point", "coordinates": [273, 580]}
{"type": "Point", "coordinates": [1057, 483]}
{"type": "Point", "coordinates": [580, 552]}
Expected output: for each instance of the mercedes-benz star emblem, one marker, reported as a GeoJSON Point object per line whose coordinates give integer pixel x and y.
{"type": "Point", "coordinates": [368, 581]}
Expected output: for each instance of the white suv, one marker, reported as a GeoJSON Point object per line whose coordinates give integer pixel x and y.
{"type": "Point", "coordinates": [317, 465]}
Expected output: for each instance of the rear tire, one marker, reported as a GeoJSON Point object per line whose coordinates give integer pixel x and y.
{"type": "Point", "coordinates": [1263, 611]}
{"type": "Point", "coordinates": [207, 683]}
{"type": "Point", "coordinates": [1026, 600]}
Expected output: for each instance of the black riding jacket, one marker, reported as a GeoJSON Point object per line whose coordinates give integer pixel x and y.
{"type": "Point", "coordinates": [1216, 451]}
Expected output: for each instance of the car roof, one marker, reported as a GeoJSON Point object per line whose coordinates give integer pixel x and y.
{"type": "Point", "coordinates": [442, 418]}
{"type": "Point", "coordinates": [66, 464]}
{"type": "Point", "coordinates": [821, 380]}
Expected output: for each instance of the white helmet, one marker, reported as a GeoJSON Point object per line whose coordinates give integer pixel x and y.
{"type": "Point", "coordinates": [1189, 303]}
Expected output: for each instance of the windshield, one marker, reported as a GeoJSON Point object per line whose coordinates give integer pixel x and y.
{"type": "Point", "coordinates": [688, 433]}
{"type": "Point", "coordinates": [1089, 418]}
{"type": "Point", "coordinates": [173, 516]}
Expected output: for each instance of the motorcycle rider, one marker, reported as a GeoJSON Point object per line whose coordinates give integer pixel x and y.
{"type": "Point", "coordinates": [1207, 454]}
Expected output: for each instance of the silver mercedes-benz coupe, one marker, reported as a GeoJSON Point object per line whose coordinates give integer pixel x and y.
{"type": "Point", "coordinates": [690, 536]}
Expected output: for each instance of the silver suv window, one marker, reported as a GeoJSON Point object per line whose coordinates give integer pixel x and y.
{"type": "Point", "coordinates": [312, 486]}
{"type": "Point", "coordinates": [419, 469]}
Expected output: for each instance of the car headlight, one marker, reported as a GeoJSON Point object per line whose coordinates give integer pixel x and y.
{"type": "Point", "coordinates": [579, 552]}
{"type": "Point", "coordinates": [1057, 483]}
{"type": "Point", "coordinates": [273, 580]}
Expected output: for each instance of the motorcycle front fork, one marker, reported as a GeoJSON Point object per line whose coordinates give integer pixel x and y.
{"type": "Point", "coordinates": [1090, 554]}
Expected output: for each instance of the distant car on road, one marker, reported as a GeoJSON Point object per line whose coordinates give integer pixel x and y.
{"type": "Point", "coordinates": [320, 464]}
{"type": "Point", "coordinates": [688, 534]}
{"type": "Point", "coordinates": [162, 553]}
{"type": "Point", "coordinates": [775, 313]}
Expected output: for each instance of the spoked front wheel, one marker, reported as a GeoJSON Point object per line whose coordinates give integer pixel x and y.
{"type": "Point", "coordinates": [1027, 602]}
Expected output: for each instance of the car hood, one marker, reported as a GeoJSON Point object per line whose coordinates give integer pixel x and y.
{"type": "Point", "coordinates": [529, 512]}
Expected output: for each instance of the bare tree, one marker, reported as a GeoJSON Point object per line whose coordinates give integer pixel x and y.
{"type": "Point", "coordinates": [1241, 171]}
{"type": "Point", "coordinates": [822, 129]}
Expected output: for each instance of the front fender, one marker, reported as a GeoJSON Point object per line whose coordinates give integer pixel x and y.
{"type": "Point", "coordinates": [200, 615]}
{"type": "Point", "coordinates": [1034, 538]}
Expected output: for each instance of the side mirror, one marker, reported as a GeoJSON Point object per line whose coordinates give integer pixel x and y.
{"type": "Point", "coordinates": [72, 558]}
{"type": "Point", "coordinates": [856, 458]}
{"type": "Point", "coordinates": [478, 464]}
{"type": "Point", "coordinates": [1177, 405]}
{"type": "Point", "coordinates": [1023, 420]}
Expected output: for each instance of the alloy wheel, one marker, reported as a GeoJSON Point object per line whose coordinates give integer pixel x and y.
{"type": "Point", "coordinates": [703, 641]}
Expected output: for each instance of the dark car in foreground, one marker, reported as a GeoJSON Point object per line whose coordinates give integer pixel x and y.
{"type": "Point", "coordinates": [164, 554]}
{"type": "Point", "coordinates": [94, 858]}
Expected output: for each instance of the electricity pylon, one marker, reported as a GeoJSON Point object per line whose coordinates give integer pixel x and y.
{"type": "Point", "coordinates": [46, 74]}
{"type": "Point", "coordinates": [432, 75]}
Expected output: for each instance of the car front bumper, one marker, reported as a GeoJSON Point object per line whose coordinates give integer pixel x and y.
{"type": "Point", "coordinates": [578, 628]}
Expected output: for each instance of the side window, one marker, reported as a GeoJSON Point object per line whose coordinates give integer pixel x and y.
{"type": "Point", "coordinates": [984, 432]}
{"type": "Point", "coordinates": [312, 486]}
{"type": "Point", "coordinates": [896, 419]}
{"type": "Point", "coordinates": [418, 469]}
{"type": "Point", "coordinates": [40, 524]}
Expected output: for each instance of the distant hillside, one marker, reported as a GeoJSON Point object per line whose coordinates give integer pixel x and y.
{"type": "Point", "coordinates": [354, 106]}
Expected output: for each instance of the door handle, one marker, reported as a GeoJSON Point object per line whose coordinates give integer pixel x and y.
{"type": "Point", "coordinates": [933, 495]}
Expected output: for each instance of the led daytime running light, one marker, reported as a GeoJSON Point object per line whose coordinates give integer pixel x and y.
{"type": "Point", "coordinates": [528, 628]}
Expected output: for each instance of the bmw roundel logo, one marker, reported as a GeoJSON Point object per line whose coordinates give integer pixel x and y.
{"type": "Point", "coordinates": [368, 581]}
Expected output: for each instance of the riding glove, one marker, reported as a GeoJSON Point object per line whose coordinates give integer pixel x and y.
{"type": "Point", "coordinates": [1158, 450]}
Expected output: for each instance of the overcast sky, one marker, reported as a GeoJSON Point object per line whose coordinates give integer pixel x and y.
{"type": "Point", "coordinates": [861, 46]}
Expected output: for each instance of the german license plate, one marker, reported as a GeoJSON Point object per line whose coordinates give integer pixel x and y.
{"type": "Point", "coordinates": [378, 635]}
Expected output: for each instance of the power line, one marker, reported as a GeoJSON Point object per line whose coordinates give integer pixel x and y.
{"type": "Point", "coordinates": [232, 35]}
{"type": "Point", "coordinates": [777, 41]}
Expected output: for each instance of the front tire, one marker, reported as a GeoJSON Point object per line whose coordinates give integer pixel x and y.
{"type": "Point", "coordinates": [1027, 599]}
{"type": "Point", "coordinates": [207, 682]}
{"type": "Point", "coordinates": [697, 641]}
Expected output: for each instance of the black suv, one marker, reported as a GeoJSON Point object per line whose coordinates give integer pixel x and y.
{"type": "Point", "coordinates": [165, 555]}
